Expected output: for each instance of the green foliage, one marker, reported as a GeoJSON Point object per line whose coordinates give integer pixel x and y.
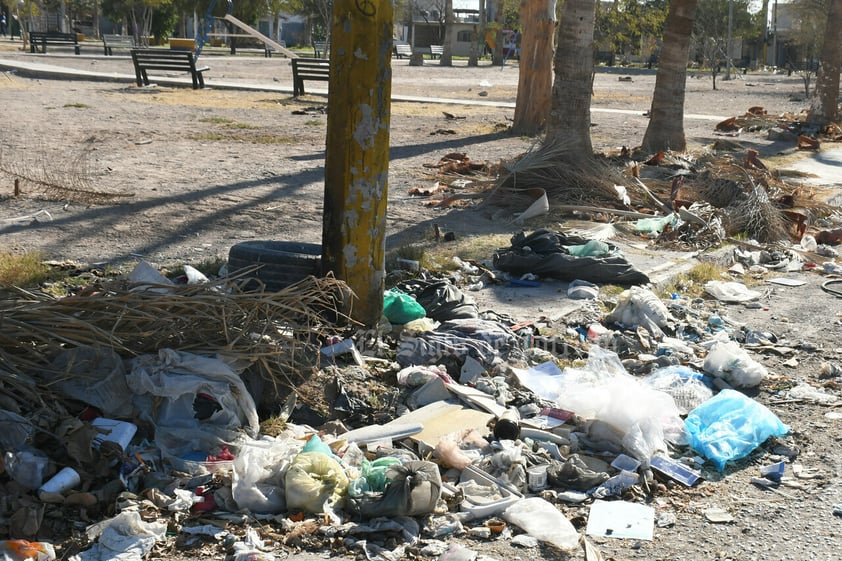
{"type": "Point", "coordinates": [626, 25]}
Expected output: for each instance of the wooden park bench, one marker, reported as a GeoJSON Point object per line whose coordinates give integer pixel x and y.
{"type": "Point", "coordinates": [436, 51]}
{"type": "Point", "coordinates": [163, 59]}
{"type": "Point", "coordinates": [403, 50]}
{"type": "Point", "coordinates": [111, 42]}
{"type": "Point", "coordinates": [320, 49]}
{"type": "Point", "coordinates": [42, 39]}
{"type": "Point", "coordinates": [308, 69]}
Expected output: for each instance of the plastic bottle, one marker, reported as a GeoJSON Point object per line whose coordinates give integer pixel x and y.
{"type": "Point", "coordinates": [27, 467]}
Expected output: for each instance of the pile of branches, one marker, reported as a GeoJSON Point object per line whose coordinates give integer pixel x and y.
{"type": "Point", "coordinates": [559, 170]}
{"type": "Point", "coordinates": [276, 334]}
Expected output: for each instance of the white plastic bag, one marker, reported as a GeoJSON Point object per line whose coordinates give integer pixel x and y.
{"type": "Point", "coordinates": [543, 521]}
{"type": "Point", "coordinates": [259, 471]}
{"type": "Point", "coordinates": [604, 391]}
{"type": "Point", "coordinates": [732, 363]}
{"type": "Point", "coordinates": [641, 306]}
{"type": "Point", "coordinates": [730, 291]}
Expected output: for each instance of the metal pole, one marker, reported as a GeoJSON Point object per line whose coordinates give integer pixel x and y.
{"type": "Point", "coordinates": [775, 34]}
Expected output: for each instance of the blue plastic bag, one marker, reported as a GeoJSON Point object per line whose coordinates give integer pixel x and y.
{"type": "Point", "coordinates": [729, 426]}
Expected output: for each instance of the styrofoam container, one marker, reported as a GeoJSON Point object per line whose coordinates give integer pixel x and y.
{"type": "Point", "coordinates": [64, 480]}
{"type": "Point", "coordinates": [508, 494]}
{"type": "Point", "coordinates": [120, 432]}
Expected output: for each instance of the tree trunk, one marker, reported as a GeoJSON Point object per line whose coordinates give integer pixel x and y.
{"type": "Point", "coordinates": [824, 108]}
{"type": "Point", "coordinates": [570, 116]}
{"type": "Point", "coordinates": [497, 55]}
{"type": "Point", "coordinates": [666, 116]}
{"type": "Point", "coordinates": [357, 155]}
{"type": "Point", "coordinates": [535, 80]}
{"type": "Point", "coordinates": [447, 44]}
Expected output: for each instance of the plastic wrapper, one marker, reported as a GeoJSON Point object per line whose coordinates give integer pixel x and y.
{"type": "Point", "coordinates": [729, 361]}
{"type": "Point", "coordinates": [729, 426]}
{"type": "Point", "coordinates": [314, 480]}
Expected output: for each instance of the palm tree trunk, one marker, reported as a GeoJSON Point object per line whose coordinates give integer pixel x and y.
{"type": "Point", "coordinates": [666, 117]}
{"type": "Point", "coordinates": [535, 80]}
{"type": "Point", "coordinates": [570, 114]}
{"type": "Point", "coordinates": [447, 51]}
{"type": "Point", "coordinates": [824, 108]}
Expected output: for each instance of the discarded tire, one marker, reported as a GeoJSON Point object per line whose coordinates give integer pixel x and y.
{"type": "Point", "coordinates": [281, 263]}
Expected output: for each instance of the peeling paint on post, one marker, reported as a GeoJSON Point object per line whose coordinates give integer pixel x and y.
{"type": "Point", "coordinates": [357, 157]}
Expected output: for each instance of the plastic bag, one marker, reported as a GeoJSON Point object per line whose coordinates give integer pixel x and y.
{"type": "Point", "coordinates": [312, 480]}
{"type": "Point", "coordinates": [413, 489]}
{"type": "Point", "coordinates": [729, 426]}
{"type": "Point", "coordinates": [729, 361]}
{"type": "Point", "coordinates": [657, 224]}
{"type": "Point", "coordinates": [399, 307]}
{"type": "Point", "coordinates": [604, 391]}
{"type": "Point", "coordinates": [258, 474]}
{"type": "Point", "coordinates": [640, 306]}
{"type": "Point", "coordinates": [685, 385]}
{"type": "Point", "coordinates": [730, 291]}
{"type": "Point", "coordinates": [543, 521]}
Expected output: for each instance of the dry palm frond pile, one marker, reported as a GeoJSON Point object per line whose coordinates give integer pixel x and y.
{"type": "Point", "coordinates": [276, 333]}
{"type": "Point", "coordinates": [566, 177]}
{"type": "Point", "coordinates": [37, 174]}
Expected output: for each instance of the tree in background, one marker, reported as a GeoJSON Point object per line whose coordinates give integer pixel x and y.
{"type": "Point", "coordinates": [144, 18]}
{"type": "Point", "coordinates": [628, 27]}
{"type": "Point", "coordinates": [824, 107]}
{"type": "Point", "coordinates": [446, 58]}
{"type": "Point", "coordinates": [804, 40]}
{"type": "Point", "coordinates": [666, 117]}
{"type": "Point", "coordinates": [570, 112]}
{"type": "Point", "coordinates": [710, 31]}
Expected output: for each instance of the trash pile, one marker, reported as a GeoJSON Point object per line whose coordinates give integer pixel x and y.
{"type": "Point", "coordinates": [443, 422]}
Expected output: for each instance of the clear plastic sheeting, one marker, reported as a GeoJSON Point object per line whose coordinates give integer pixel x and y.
{"type": "Point", "coordinates": [646, 417]}
{"type": "Point", "coordinates": [731, 291]}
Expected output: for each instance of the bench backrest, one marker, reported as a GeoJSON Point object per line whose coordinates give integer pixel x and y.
{"type": "Point", "coordinates": [320, 48]}
{"type": "Point", "coordinates": [53, 36]}
{"type": "Point", "coordinates": [403, 49]}
{"type": "Point", "coordinates": [312, 68]}
{"type": "Point", "coordinates": [118, 40]}
{"type": "Point", "coordinates": [164, 59]}
{"type": "Point", "coordinates": [436, 49]}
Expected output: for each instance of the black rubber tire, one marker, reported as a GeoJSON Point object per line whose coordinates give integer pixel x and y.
{"type": "Point", "coordinates": [283, 263]}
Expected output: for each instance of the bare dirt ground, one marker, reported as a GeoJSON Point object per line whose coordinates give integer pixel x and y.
{"type": "Point", "coordinates": [195, 172]}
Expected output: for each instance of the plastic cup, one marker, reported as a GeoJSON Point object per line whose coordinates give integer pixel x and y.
{"type": "Point", "coordinates": [64, 480]}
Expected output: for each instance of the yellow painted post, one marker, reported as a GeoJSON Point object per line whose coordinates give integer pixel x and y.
{"type": "Point", "coordinates": [357, 157]}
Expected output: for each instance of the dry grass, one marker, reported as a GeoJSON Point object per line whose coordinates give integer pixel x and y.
{"type": "Point", "coordinates": [22, 269]}
{"type": "Point", "coordinates": [272, 333]}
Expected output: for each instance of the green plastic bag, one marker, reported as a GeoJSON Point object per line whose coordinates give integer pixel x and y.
{"type": "Point", "coordinates": [400, 308]}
